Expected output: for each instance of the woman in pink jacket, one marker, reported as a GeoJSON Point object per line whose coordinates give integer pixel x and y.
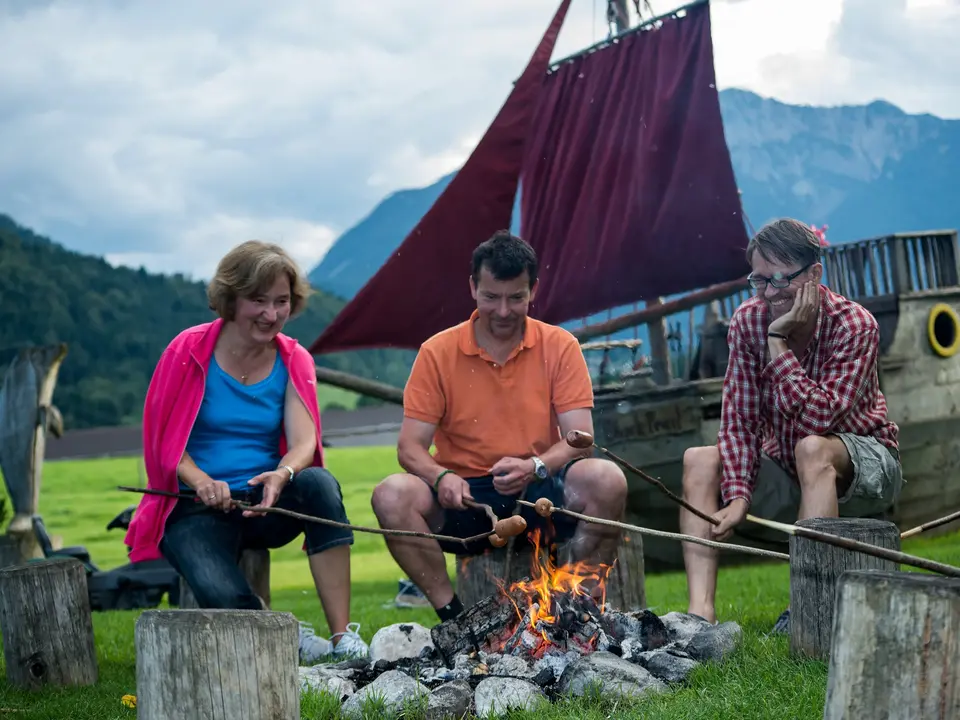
{"type": "Point", "coordinates": [232, 414]}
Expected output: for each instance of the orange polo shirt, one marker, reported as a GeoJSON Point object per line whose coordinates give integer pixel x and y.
{"type": "Point", "coordinates": [484, 411]}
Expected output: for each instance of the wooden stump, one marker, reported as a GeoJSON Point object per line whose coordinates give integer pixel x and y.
{"type": "Point", "coordinates": [896, 647]}
{"type": "Point", "coordinates": [477, 576]}
{"type": "Point", "coordinates": [255, 565]}
{"type": "Point", "coordinates": [815, 568]}
{"type": "Point", "coordinates": [46, 624]}
{"type": "Point", "coordinates": [231, 664]}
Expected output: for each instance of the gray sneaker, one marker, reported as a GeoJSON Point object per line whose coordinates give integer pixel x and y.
{"type": "Point", "coordinates": [350, 645]}
{"type": "Point", "coordinates": [313, 648]}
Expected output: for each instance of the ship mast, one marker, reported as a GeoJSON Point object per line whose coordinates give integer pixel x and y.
{"type": "Point", "coordinates": [618, 19]}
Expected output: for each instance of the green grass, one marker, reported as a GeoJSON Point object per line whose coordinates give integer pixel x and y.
{"type": "Point", "coordinates": [327, 394]}
{"type": "Point", "coordinates": [760, 680]}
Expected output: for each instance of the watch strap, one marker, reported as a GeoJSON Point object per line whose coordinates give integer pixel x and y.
{"type": "Point", "coordinates": [289, 470]}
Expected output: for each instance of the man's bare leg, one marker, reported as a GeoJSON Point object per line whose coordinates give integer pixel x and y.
{"type": "Point", "coordinates": [825, 472]}
{"type": "Point", "coordinates": [404, 502]}
{"type": "Point", "coordinates": [701, 488]}
{"type": "Point", "coordinates": [597, 488]}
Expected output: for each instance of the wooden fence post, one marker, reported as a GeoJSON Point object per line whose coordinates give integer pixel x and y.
{"type": "Point", "coordinates": [814, 570]}
{"type": "Point", "coordinates": [255, 565]}
{"type": "Point", "coordinates": [895, 651]}
{"type": "Point", "coordinates": [237, 664]}
{"type": "Point", "coordinates": [46, 624]}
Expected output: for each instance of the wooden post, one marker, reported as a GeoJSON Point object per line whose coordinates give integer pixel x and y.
{"type": "Point", "coordinates": [895, 651]}
{"type": "Point", "coordinates": [46, 624]}
{"type": "Point", "coordinates": [236, 664]}
{"type": "Point", "coordinates": [255, 565]}
{"type": "Point", "coordinates": [814, 570]}
{"type": "Point", "coordinates": [477, 576]}
{"type": "Point", "coordinates": [26, 414]}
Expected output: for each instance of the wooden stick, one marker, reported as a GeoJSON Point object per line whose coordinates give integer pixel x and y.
{"type": "Point", "coordinates": [664, 534]}
{"type": "Point", "coordinates": [857, 546]}
{"type": "Point", "coordinates": [480, 506]}
{"type": "Point", "coordinates": [320, 521]}
{"type": "Point", "coordinates": [583, 440]}
{"type": "Point", "coordinates": [930, 525]}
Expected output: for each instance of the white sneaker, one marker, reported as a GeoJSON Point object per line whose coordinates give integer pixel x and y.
{"type": "Point", "coordinates": [312, 646]}
{"type": "Point", "coordinates": [350, 644]}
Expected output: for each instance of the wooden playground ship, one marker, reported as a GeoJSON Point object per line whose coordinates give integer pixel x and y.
{"type": "Point", "coordinates": [627, 193]}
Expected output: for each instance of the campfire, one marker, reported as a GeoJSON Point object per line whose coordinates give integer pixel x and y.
{"type": "Point", "coordinates": [537, 640]}
{"type": "Point", "coordinates": [556, 609]}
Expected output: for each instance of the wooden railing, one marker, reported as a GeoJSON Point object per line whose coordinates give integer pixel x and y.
{"type": "Point", "coordinates": [893, 264]}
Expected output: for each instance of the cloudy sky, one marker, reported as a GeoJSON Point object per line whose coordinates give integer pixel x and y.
{"type": "Point", "coordinates": [163, 133]}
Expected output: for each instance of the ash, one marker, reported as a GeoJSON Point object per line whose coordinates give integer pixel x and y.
{"type": "Point", "coordinates": [490, 661]}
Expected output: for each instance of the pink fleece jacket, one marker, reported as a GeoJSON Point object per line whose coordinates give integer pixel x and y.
{"type": "Point", "coordinates": [170, 409]}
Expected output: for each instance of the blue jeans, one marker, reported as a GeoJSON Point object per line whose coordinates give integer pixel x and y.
{"type": "Point", "coordinates": [204, 545]}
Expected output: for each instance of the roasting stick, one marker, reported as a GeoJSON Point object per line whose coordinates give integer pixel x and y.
{"type": "Point", "coordinates": [930, 525]}
{"type": "Point", "coordinates": [857, 546]}
{"type": "Point", "coordinates": [546, 508]}
{"type": "Point", "coordinates": [580, 439]}
{"type": "Point", "coordinates": [502, 526]}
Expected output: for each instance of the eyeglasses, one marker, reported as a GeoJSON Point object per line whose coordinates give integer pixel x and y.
{"type": "Point", "coordinates": [779, 281]}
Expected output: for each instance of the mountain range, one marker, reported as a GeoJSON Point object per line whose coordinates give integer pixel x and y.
{"type": "Point", "coordinates": [862, 170]}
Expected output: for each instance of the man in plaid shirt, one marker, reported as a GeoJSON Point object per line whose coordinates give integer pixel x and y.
{"type": "Point", "coordinates": [803, 428]}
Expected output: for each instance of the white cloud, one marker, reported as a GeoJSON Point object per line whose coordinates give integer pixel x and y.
{"type": "Point", "coordinates": [163, 133]}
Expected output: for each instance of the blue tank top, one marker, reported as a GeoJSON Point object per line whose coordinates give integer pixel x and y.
{"type": "Point", "coordinates": [236, 435]}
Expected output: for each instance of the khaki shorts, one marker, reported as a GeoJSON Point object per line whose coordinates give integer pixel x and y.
{"type": "Point", "coordinates": [877, 481]}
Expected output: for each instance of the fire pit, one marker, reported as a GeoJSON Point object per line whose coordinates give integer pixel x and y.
{"type": "Point", "coordinates": [534, 641]}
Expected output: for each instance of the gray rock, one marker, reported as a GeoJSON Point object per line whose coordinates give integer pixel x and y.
{"type": "Point", "coordinates": [714, 642]}
{"type": "Point", "coordinates": [512, 666]}
{"type": "Point", "coordinates": [393, 688]}
{"type": "Point", "coordinates": [607, 673]}
{"type": "Point", "coordinates": [327, 680]}
{"type": "Point", "coordinates": [682, 626]}
{"type": "Point", "coordinates": [499, 694]}
{"type": "Point", "coordinates": [399, 641]}
{"type": "Point", "coordinates": [451, 700]}
{"type": "Point", "coordinates": [670, 664]}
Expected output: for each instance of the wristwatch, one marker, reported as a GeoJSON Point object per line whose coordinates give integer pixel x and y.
{"type": "Point", "coordinates": [289, 470]}
{"type": "Point", "coordinates": [539, 469]}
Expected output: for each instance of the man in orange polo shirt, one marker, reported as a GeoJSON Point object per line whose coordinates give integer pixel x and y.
{"type": "Point", "coordinates": [496, 394]}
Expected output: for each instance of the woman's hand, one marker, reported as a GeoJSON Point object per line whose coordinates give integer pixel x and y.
{"type": "Point", "coordinates": [273, 482]}
{"type": "Point", "coordinates": [215, 494]}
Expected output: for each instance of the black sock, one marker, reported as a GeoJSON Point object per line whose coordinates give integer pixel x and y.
{"type": "Point", "coordinates": [450, 610]}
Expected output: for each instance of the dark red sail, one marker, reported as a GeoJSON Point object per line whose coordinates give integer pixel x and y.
{"type": "Point", "coordinates": [627, 190]}
{"type": "Point", "coordinates": [423, 288]}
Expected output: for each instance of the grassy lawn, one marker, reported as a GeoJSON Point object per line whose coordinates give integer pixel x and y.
{"type": "Point", "coordinates": [760, 680]}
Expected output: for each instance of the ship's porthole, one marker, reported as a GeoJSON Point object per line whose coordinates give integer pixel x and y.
{"type": "Point", "coordinates": [943, 330]}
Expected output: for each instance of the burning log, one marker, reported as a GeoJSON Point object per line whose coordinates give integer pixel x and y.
{"type": "Point", "coordinates": [487, 620]}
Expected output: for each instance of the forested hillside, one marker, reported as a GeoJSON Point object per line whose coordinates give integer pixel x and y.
{"type": "Point", "coordinates": [116, 322]}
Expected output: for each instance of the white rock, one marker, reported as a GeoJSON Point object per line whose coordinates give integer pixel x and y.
{"type": "Point", "coordinates": [393, 688]}
{"type": "Point", "coordinates": [499, 694]}
{"type": "Point", "coordinates": [399, 641]}
{"type": "Point", "coordinates": [325, 680]}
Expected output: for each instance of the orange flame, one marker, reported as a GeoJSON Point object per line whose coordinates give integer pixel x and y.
{"type": "Point", "coordinates": [548, 581]}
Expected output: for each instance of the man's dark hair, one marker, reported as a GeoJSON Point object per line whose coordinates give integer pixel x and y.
{"type": "Point", "coordinates": [506, 257]}
{"type": "Point", "coordinates": [786, 241]}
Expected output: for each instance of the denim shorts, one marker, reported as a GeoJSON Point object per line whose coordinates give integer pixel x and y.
{"type": "Point", "coordinates": [875, 487]}
{"type": "Point", "coordinates": [466, 523]}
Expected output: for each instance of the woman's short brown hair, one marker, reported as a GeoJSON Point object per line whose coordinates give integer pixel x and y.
{"type": "Point", "coordinates": [250, 269]}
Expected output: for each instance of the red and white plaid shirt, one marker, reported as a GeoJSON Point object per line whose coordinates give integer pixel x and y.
{"type": "Point", "coordinates": [771, 406]}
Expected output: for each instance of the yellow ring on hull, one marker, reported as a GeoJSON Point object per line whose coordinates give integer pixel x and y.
{"type": "Point", "coordinates": [943, 330]}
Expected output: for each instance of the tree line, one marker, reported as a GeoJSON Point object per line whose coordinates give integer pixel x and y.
{"type": "Point", "coordinates": [116, 321]}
